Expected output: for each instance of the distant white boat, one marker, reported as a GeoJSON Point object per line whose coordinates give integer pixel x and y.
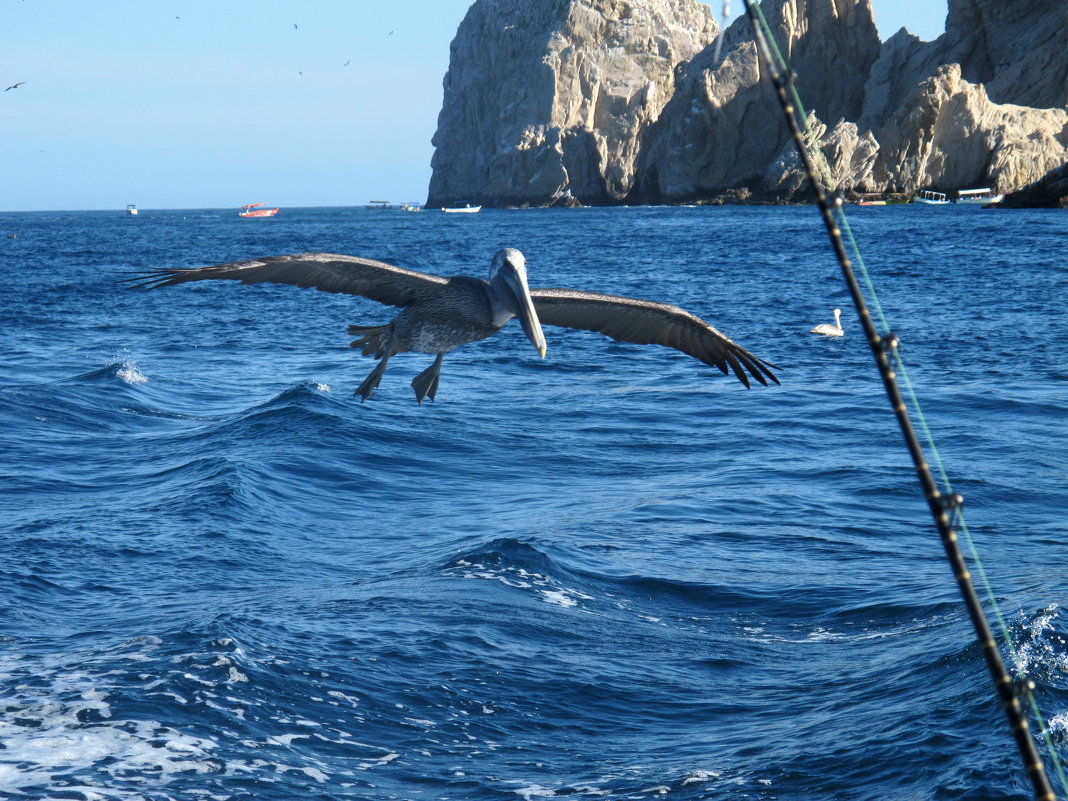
{"type": "Point", "coordinates": [983, 196]}
{"type": "Point", "coordinates": [131, 209]}
{"type": "Point", "coordinates": [931, 198]}
{"type": "Point", "coordinates": [410, 207]}
{"type": "Point", "coordinates": [466, 209]}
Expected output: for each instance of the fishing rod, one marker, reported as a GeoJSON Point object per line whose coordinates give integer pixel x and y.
{"type": "Point", "coordinates": [941, 505]}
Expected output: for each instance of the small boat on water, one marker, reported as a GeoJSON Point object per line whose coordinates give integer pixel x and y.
{"type": "Point", "coordinates": [253, 210]}
{"type": "Point", "coordinates": [131, 210]}
{"type": "Point", "coordinates": [465, 209]}
{"type": "Point", "coordinates": [883, 199]}
{"type": "Point", "coordinates": [410, 207]}
{"type": "Point", "coordinates": [930, 198]}
{"type": "Point", "coordinates": [984, 196]}
{"type": "Point", "coordinates": [378, 204]}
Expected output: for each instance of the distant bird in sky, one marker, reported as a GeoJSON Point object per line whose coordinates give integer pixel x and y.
{"type": "Point", "coordinates": [347, 63]}
{"type": "Point", "coordinates": [295, 26]}
{"type": "Point", "coordinates": [391, 33]}
{"type": "Point", "coordinates": [14, 86]}
{"type": "Point", "coordinates": [439, 314]}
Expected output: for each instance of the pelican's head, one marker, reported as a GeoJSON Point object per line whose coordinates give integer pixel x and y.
{"type": "Point", "coordinates": [508, 283]}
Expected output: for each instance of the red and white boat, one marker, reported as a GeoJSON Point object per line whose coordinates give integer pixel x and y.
{"type": "Point", "coordinates": [251, 210]}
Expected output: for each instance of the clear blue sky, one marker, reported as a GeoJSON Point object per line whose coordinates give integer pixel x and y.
{"type": "Point", "coordinates": [202, 103]}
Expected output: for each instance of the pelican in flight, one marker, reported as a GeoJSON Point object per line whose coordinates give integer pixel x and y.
{"type": "Point", "coordinates": [439, 314]}
{"type": "Point", "coordinates": [829, 330]}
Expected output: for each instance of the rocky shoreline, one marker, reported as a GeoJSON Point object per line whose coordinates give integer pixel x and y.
{"type": "Point", "coordinates": [613, 102]}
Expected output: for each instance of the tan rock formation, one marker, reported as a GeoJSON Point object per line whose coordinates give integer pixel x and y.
{"type": "Point", "coordinates": [1015, 49]}
{"type": "Point", "coordinates": [603, 101]}
{"type": "Point", "coordinates": [849, 156]}
{"type": "Point", "coordinates": [546, 100]}
{"type": "Point", "coordinates": [949, 135]}
{"type": "Point", "coordinates": [909, 114]}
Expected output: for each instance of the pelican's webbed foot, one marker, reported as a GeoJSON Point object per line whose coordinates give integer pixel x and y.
{"type": "Point", "coordinates": [426, 383]}
{"type": "Point", "coordinates": [372, 381]}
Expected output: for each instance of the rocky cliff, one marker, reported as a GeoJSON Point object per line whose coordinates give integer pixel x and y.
{"type": "Point", "coordinates": [546, 100]}
{"type": "Point", "coordinates": [604, 101]}
{"type": "Point", "coordinates": [723, 129]}
{"type": "Point", "coordinates": [950, 134]}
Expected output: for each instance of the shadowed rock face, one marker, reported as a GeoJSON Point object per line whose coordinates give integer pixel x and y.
{"type": "Point", "coordinates": [599, 102]}
{"type": "Point", "coordinates": [1049, 192]}
{"type": "Point", "coordinates": [723, 127]}
{"type": "Point", "coordinates": [545, 100]}
{"type": "Point", "coordinates": [1015, 48]}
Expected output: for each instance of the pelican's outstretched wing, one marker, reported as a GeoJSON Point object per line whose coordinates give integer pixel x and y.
{"type": "Point", "coordinates": [328, 272]}
{"type": "Point", "coordinates": [647, 323]}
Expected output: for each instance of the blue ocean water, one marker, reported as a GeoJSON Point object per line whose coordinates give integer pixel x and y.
{"type": "Point", "coordinates": [614, 573]}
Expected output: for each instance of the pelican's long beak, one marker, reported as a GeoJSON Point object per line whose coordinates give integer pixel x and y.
{"type": "Point", "coordinates": [509, 280]}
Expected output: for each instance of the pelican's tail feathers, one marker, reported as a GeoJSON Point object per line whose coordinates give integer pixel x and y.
{"type": "Point", "coordinates": [374, 339]}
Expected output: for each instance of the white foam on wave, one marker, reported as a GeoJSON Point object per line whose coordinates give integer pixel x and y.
{"type": "Point", "coordinates": [558, 597]}
{"type": "Point", "coordinates": [62, 728]}
{"type": "Point", "coordinates": [533, 791]}
{"type": "Point", "coordinates": [351, 699]}
{"type": "Point", "coordinates": [130, 373]}
{"type": "Point", "coordinates": [804, 633]}
{"type": "Point", "coordinates": [549, 589]}
{"type": "Point", "coordinates": [698, 776]}
{"type": "Point", "coordinates": [60, 724]}
{"type": "Point", "coordinates": [1042, 649]}
{"type": "Point", "coordinates": [1058, 726]}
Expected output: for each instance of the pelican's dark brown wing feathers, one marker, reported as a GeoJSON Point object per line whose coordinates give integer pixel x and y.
{"type": "Point", "coordinates": [328, 272]}
{"type": "Point", "coordinates": [644, 322]}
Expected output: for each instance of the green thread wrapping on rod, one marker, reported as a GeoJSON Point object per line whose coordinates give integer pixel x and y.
{"type": "Point", "coordinates": [766, 47]}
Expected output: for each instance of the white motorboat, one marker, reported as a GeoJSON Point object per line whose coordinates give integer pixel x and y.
{"type": "Point", "coordinates": [981, 197]}
{"type": "Point", "coordinates": [931, 198]}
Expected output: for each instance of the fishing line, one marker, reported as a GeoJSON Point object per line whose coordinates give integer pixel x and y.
{"type": "Point", "coordinates": [943, 502]}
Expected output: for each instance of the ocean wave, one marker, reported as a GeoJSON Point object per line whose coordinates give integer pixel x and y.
{"type": "Point", "coordinates": [126, 371]}
{"type": "Point", "coordinates": [613, 573]}
{"type": "Point", "coordinates": [1040, 646]}
{"type": "Point", "coordinates": [92, 726]}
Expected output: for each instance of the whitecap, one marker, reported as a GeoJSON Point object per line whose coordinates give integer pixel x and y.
{"type": "Point", "coordinates": [351, 699]}
{"type": "Point", "coordinates": [287, 739]}
{"type": "Point", "coordinates": [534, 791]}
{"type": "Point", "coordinates": [1058, 725]}
{"type": "Point", "coordinates": [695, 776]}
{"type": "Point", "coordinates": [1041, 649]}
{"type": "Point", "coordinates": [130, 373]}
{"type": "Point", "coordinates": [314, 773]}
{"type": "Point", "coordinates": [376, 763]}
{"type": "Point", "coordinates": [558, 597]}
